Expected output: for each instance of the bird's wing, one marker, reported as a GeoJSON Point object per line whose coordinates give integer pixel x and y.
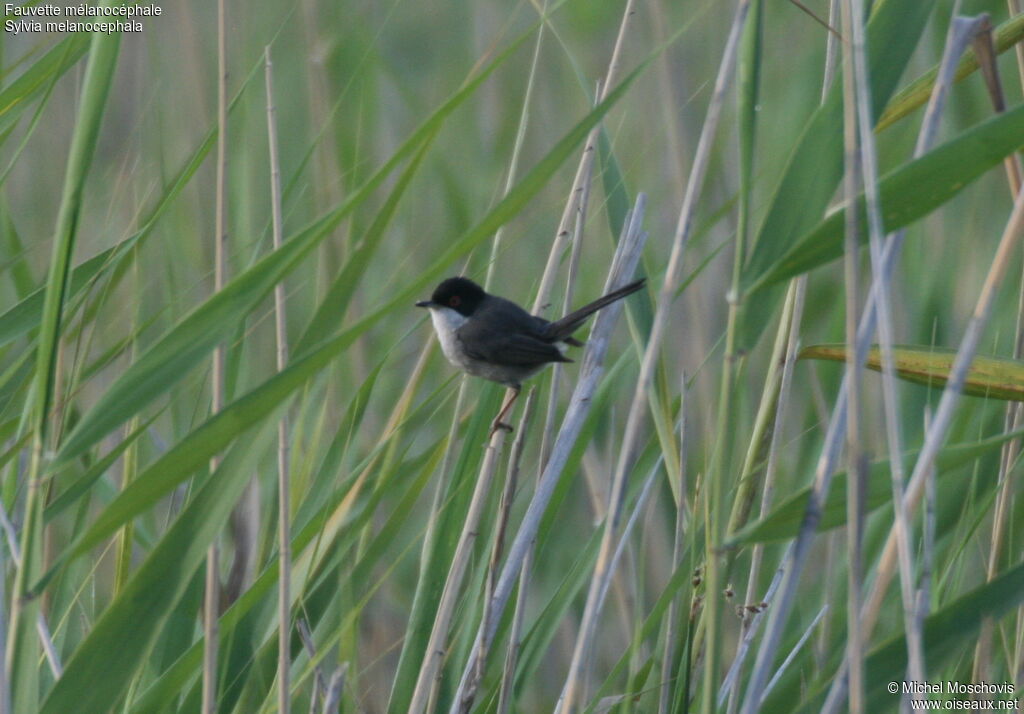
{"type": "Point", "coordinates": [514, 349]}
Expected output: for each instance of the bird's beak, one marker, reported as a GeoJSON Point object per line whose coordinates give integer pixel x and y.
{"type": "Point", "coordinates": [425, 303]}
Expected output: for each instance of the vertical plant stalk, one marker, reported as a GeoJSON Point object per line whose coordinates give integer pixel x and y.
{"type": "Point", "coordinates": [984, 50]}
{"type": "Point", "coordinates": [798, 553]}
{"type": "Point", "coordinates": [924, 593]}
{"type": "Point", "coordinates": [789, 329]}
{"type": "Point", "coordinates": [715, 519]}
{"type": "Point", "coordinates": [505, 506]}
{"type": "Point", "coordinates": [570, 282]}
{"type": "Point", "coordinates": [960, 33]}
{"type": "Point", "coordinates": [620, 547]}
{"type": "Point", "coordinates": [862, 106]}
{"type": "Point", "coordinates": [332, 700]}
{"type": "Point", "coordinates": [428, 680]}
{"type": "Point", "coordinates": [748, 82]}
{"type": "Point", "coordinates": [607, 555]}
{"type": "Point", "coordinates": [319, 677]}
{"type": "Point", "coordinates": [640, 396]}
{"type": "Point", "coordinates": [789, 334]}
{"type": "Point", "coordinates": [508, 672]}
{"type": "Point", "coordinates": [886, 338]}
{"type": "Point", "coordinates": [575, 206]}
{"type": "Point", "coordinates": [936, 435]}
{"type": "Point", "coordinates": [45, 638]}
{"type": "Point", "coordinates": [129, 461]}
{"type": "Point", "coordinates": [627, 256]}
{"type": "Point", "coordinates": [284, 541]}
{"type": "Point", "coordinates": [211, 592]}
{"type": "Point", "coordinates": [477, 659]}
{"type": "Point", "coordinates": [429, 540]}
{"type": "Point", "coordinates": [796, 649]}
{"type": "Point", "coordinates": [583, 171]}
{"type": "Point", "coordinates": [5, 689]}
{"type": "Point", "coordinates": [856, 481]}
{"type": "Point", "coordinates": [764, 422]}
{"type": "Point", "coordinates": [22, 647]}
{"type": "Point", "coordinates": [428, 677]}
{"type": "Point", "coordinates": [679, 531]}
{"type": "Point", "coordinates": [831, 63]}
{"type": "Point", "coordinates": [1017, 666]}
{"type": "Point", "coordinates": [517, 146]}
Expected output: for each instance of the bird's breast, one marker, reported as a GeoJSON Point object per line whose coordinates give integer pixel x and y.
{"type": "Point", "coordinates": [446, 323]}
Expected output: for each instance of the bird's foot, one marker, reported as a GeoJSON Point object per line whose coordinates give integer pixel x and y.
{"type": "Point", "coordinates": [501, 426]}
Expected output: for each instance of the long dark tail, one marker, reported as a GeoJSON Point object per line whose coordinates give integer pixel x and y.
{"type": "Point", "coordinates": [562, 329]}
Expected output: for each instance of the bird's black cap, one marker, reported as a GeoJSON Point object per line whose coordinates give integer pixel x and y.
{"type": "Point", "coordinates": [459, 293]}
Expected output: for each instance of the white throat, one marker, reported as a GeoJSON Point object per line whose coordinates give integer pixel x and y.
{"type": "Point", "coordinates": [446, 322]}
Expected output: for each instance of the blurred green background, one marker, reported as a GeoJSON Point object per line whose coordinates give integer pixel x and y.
{"type": "Point", "coordinates": [352, 82]}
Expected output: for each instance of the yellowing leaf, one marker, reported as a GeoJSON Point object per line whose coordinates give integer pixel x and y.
{"type": "Point", "coordinates": [993, 377]}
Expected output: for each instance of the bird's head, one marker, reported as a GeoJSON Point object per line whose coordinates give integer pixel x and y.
{"type": "Point", "coordinates": [459, 294]}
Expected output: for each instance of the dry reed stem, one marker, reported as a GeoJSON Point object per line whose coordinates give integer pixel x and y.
{"type": "Point", "coordinates": [430, 672]}
{"type": "Point", "coordinates": [319, 679]}
{"type": "Point", "coordinates": [856, 479]}
{"type": "Point", "coordinates": [961, 31]}
{"type": "Point", "coordinates": [284, 543]}
{"type": "Point", "coordinates": [504, 508]}
{"type": "Point", "coordinates": [211, 594]}
{"type": "Point", "coordinates": [624, 264]}
{"type": "Point", "coordinates": [570, 282]}
{"type": "Point", "coordinates": [679, 530]}
{"type": "Point", "coordinates": [796, 649]}
{"type": "Point", "coordinates": [430, 669]}
{"type": "Point", "coordinates": [789, 328]}
{"type": "Point", "coordinates": [894, 438]}
{"type": "Point", "coordinates": [928, 541]}
{"type": "Point", "coordinates": [583, 171]}
{"type": "Point", "coordinates": [984, 50]}
{"type": "Point", "coordinates": [573, 207]}
{"type": "Point", "coordinates": [950, 396]}
{"type": "Point", "coordinates": [1017, 669]}
{"type": "Point", "coordinates": [508, 670]}
{"type": "Point", "coordinates": [640, 395]}
{"type": "Point", "coordinates": [517, 148]}
{"type": "Point", "coordinates": [604, 562]}
{"type": "Point", "coordinates": [825, 469]}
{"type": "Point", "coordinates": [582, 202]}
{"type": "Point", "coordinates": [332, 700]}
{"type": "Point", "coordinates": [798, 289]}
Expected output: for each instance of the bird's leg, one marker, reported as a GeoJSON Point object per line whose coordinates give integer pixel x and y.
{"type": "Point", "coordinates": [498, 423]}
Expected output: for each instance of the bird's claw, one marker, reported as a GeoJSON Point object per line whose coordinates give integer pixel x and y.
{"type": "Point", "coordinates": [501, 426]}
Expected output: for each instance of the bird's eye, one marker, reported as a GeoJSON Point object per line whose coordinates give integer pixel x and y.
{"type": "Point", "coordinates": [454, 301]}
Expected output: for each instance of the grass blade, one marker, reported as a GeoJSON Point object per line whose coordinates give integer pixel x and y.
{"type": "Point", "coordinates": [815, 166]}
{"type": "Point", "coordinates": [23, 646]}
{"type": "Point", "coordinates": [784, 520]}
{"type": "Point", "coordinates": [119, 642]}
{"type": "Point", "coordinates": [991, 377]}
{"type": "Point", "coordinates": [908, 193]}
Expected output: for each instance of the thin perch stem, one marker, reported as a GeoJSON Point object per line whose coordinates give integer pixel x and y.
{"type": "Point", "coordinates": [211, 595]}
{"type": "Point", "coordinates": [627, 257]}
{"type": "Point", "coordinates": [284, 543]}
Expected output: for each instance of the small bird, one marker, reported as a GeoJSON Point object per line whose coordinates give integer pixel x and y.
{"type": "Point", "coordinates": [491, 337]}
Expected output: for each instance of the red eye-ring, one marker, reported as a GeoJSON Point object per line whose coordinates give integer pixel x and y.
{"type": "Point", "coordinates": [454, 301]}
